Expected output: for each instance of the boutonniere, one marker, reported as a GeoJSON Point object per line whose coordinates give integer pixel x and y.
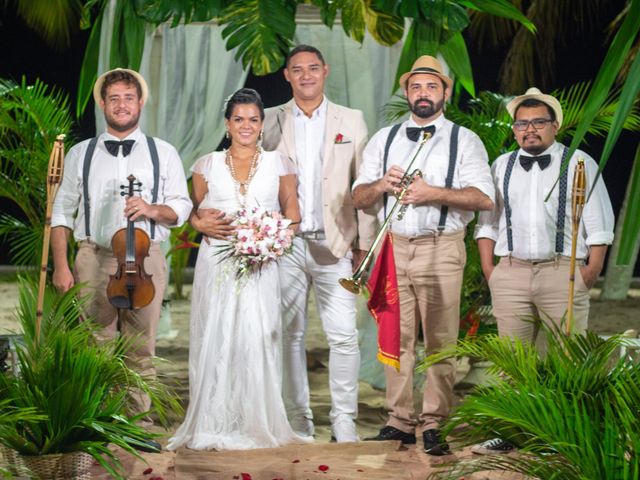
{"type": "Point", "coordinates": [340, 139]}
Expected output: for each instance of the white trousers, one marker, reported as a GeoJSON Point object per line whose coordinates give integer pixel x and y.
{"type": "Point", "coordinates": [312, 264]}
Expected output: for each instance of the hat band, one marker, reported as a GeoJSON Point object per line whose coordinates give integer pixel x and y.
{"type": "Point", "coordinates": [425, 69]}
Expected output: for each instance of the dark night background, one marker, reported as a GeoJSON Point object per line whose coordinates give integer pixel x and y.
{"type": "Point", "coordinates": [24, 53]}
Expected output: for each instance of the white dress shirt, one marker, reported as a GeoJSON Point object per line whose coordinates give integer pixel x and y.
{"type": "Point", "coordinates": [309, 138]}
{"type": "Point", "coordinates": [472, 170]}
{"type": "Point", "coordinates": [533, 221]}
{"type": "Point", "coordinates": [106, 175]}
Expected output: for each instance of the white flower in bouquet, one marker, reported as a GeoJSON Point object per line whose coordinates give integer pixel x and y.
{"type": "Point", "coordinates": [261, 237]}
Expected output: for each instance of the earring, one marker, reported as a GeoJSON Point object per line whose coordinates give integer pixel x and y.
{"type": "Point", "coordinates": [227, 135]}
{"type": "Point", "coordinates": [261, 136]}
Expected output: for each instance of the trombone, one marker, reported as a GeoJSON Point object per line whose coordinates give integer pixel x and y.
{"type": "Point", "coordinates": [354, 283]}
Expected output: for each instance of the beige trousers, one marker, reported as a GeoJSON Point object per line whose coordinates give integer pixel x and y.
{"type": "Point", "coordinates": [93, 266]}
{"type": "Point", "coordinates": [522, 291]}
{"type": "Point", "coordinates": [429, 271]}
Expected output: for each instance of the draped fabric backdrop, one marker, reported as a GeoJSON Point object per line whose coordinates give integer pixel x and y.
{"type": "Point", "coordinates": [190, 74]}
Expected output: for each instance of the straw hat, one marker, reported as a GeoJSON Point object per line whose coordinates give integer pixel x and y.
{"type": "Point", "coordinates": [426, 64]}
{"type": "Point", "coordinates": [536, 94]}
{"type": "Point", "coordinates": [98, 86]}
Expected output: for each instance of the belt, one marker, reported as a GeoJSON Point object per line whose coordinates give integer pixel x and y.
{"type": "Point", "coordinates": [317, 235]}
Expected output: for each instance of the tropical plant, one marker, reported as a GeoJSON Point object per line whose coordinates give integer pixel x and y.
{"type": "Point", "coordinates": [31, 116]}
{"type": "Point", "coordinates": [532, 59]}
{"type": "Point", "coordinates": [573, 411]}
{"type": "Point", "coordinates": [182, 241]}
{"type": "Point", "coordinates": [72, 393]}
{"type": "Point", "coordinates": [262, 31]}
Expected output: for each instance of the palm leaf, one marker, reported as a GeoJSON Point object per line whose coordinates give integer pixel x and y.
{"type": "Point", "coordinates": [261, 31]}
{"type": "Point", "coordinates": [53, 20]}
{"type": "Point", "coordinates": [631, 221]}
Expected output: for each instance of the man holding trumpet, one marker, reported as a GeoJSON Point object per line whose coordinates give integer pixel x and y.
{"type": "Point", "coordinates": [533, 237]}
{"type": "Point", "coordinates": [428, 239]}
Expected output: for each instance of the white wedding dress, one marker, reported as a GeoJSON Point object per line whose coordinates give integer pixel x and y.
{"type": "Point", "coordinates": [235, 371]}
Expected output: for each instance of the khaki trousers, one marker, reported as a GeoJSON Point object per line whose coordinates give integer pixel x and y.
{"type": "Point", "coordinates": [429, 271]}
{"type": "Point", "coordinates": [522, 291]}
{"type": "Point", "coordinates": [93, 266]}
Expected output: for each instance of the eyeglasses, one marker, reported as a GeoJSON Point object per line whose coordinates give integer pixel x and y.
{"type": "Point", "coordinates": [538, 124]}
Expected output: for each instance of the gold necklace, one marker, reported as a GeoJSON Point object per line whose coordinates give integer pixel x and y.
{"type": "Point", "coordinates": [242, 187]}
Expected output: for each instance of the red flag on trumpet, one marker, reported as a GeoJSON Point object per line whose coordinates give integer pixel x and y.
{"type": "Point", "coordinates": [384, 304]}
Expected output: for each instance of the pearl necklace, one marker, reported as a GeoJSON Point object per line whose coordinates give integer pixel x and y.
{"type": "Point", "coordinates": [242, 187]}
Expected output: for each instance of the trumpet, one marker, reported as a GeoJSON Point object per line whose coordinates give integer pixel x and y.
{"type": "Point", "coordinates": [354, 283]}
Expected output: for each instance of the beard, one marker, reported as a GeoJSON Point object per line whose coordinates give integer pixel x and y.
{"type": "Point", "coordinates": [536, 149]}
{"type": "Point", "coordinates": [425, 111]}
{"type": "Point", "coordinates": [121, 127]}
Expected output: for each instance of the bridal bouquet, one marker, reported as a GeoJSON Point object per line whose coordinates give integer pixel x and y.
{"type": "Point", "coordinates": [260, 237]}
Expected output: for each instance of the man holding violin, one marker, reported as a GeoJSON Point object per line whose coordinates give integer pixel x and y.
{"type": "Point", "coordinates": [93, 204]}
{"type": "Point", "coordinates": [428, 240]}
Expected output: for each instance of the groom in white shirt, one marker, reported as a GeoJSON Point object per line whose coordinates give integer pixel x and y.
{"type": "Point", "coordinates": [325, 141]}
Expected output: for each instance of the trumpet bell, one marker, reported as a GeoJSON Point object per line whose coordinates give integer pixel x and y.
{"type": "Point", "coordinates": [351, 284]}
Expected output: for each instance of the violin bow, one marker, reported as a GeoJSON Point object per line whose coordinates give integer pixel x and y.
{"type": "Point", "coordinates": [54, 177]}
{"type": "Point", "coordinates": [578, 198]}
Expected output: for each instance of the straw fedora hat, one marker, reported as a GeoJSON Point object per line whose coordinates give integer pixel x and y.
{"type": "Point", "coordinates": [426, 64]}
{"type": "Point", "coordinates": [536, 94]}
{"type": "Point", "coordinates": [98, 86]}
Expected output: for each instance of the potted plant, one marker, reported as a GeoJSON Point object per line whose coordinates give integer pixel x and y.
{"type": "Point", "coordinates": [573, 411]}
{"type": "Point", "coordinates": [72, 395]}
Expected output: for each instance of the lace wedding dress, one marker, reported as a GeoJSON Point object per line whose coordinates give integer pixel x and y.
{"type": "Point", "coordinates": [235, 371]}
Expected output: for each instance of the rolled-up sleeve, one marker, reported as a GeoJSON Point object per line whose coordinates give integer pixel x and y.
{"type": "Point", "coordinates": [488, 223]}
{"type": "Point", "coordinates": [371, 167]}
{"type": "Point", "coordinates": [474, 164]}
{"type": "Point", "coordinates": [176, 194]}
{"type": "Point", "coordinates": [68, 197]}
{"type": "Point", "coordinates": [597, 216]}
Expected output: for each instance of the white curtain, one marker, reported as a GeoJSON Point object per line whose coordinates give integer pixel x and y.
{"type": "Point", "coordinates": [190, 74]}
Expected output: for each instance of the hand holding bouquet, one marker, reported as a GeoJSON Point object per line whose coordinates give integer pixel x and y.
{"type": "Point", "coordinates": [260, 237]}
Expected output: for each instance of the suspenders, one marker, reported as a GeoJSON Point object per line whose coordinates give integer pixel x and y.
{"type": "Point", "coordinates": [562, 195]}
{"type": "Point", "coordinates": [86, 167]}
{"type": "Point", "coordinates": [453, 153]}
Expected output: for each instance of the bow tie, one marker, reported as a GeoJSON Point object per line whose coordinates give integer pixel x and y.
{"type": "Point", "coordinates": [527, 162]}
{"type": "Point", "coordinates": [114, 145]}
{"type": "Point", "coordinates": [414, 133]}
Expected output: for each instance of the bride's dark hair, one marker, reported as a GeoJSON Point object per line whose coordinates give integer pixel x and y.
{"type": "Point", "coordinates": [244, 96]}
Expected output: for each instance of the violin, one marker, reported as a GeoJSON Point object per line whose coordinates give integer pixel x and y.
{"type": "Point", "coordinates": [131, 287]}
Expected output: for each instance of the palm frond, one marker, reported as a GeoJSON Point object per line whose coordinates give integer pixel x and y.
{"type": "Point", "coordinates": [54, 20]}
{"type": "Point", "coordinates": [572, 411]}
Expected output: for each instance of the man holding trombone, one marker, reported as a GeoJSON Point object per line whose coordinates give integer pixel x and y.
{"type": "Point", "coordinates": [440, 170]}
{"type": "Point", "coordinates": [532, 235]}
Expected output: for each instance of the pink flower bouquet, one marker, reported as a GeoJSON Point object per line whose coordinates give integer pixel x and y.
{"type": "Point", "coordinates": [260, 238]}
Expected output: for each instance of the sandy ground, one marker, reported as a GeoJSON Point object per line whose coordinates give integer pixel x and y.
{"type": "Point", "coordinates": [356, 461]}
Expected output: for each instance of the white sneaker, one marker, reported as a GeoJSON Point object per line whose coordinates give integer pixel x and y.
{"type": "Point", "coordinates": [493, 447]}
{"type": "Point", "coordinates": [343, 429]}
{"type": "Point", "coordinates": [302, 425]}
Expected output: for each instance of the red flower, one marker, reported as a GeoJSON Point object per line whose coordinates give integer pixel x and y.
{"type": "Point", "coordinates": [147, 471]}
{"type": "Point", "coordinates": [339, 138]}
{"type": "Point", "coordinates": [323, 468]}
{"type": "Point", "coordinates": [245, 476]}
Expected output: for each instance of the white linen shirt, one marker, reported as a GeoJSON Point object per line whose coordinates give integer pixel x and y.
{"type": "Point", "coordinates": [472, 170]}
{"type": "Point", "coordinates": [533, 221]}
{"type": "Point", "coordinates": [106, 175]}
{"type": "Point", "coordinates": [309, 138]}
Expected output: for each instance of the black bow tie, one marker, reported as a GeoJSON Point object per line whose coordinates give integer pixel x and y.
{"type": "Point", "coordinates": [527, 162]}
{"type": "Point", "coordinates": [414, 133]}
{"type": "Point", "coordinates": [114, 145]}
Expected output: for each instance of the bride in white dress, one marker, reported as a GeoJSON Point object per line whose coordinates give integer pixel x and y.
{"type": "Point", "coordinates": [235, 372]}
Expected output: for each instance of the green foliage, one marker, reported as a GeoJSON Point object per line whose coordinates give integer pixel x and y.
{"type": "Point", "coordinates": [72, 393]}
{"type": "Point", "coordinates": [182, 241]}
{"type": "Point", "coordinates": [573, 412]}
{"type": "Point", "coordinates": [261, 30]}
{"type": "Point", "coordinates": [31, 116]}
{"type": "Point", "coordinates": [53, 20]}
